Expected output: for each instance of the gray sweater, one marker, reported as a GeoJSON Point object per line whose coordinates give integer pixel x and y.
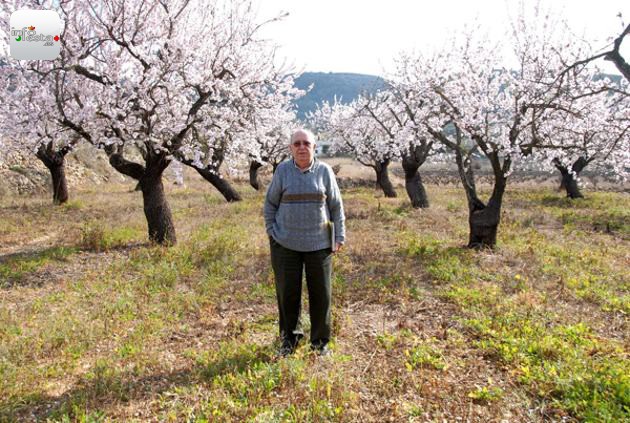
{"type": "Point", "coordinates": [299, 206]}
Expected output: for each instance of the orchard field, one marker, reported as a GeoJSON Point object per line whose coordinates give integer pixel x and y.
{"type": "Point", "coordinates": [96, 324]}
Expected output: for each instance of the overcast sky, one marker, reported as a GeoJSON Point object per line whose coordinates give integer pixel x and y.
{"type": "Point", "coordinates": [363, 36]}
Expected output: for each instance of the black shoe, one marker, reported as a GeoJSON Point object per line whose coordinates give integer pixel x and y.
{"type": "Point", "coordinates": [287, 348]}
{"type": "Point", "coordinates": [321, 350]}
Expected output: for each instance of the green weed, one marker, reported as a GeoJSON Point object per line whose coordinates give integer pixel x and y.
{"type": "Point", "coordinates": [424, 356]}
{"type": "Point", "coordinates": [73, 205]}
{"type": "Point", "coordinates": [15, 269]}
{"type": "Point", "coordinates": [485, 394]}
{"type": "Point", "coordinates": [96, 237]}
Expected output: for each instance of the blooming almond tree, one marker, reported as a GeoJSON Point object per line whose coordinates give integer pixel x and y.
{"type": "Point", "coordinates": [352, 129]}
{"type": "Point", "coordinates": [481, 106]}
{"type": "Point", "coordinates": [494, 108]}
{"type": "Point", "coordinates": [29, 123]}
{"type": "Point", "coordinates": [270, 124]}
{"type": "Point", "coordinates": [596, 133]}
{"type": "Point", "coordinates": [272, 139]}
{"type": "Point", "coordinates": [397, 111]}
{"type": "Point", "coordinates": [260, 117]}
{"type": "Point", "coordinates": [152, 77]}
{"type": "Point", "coordinates": [206, 151]}
{"type": "Point", "coordinates": [237, 130]}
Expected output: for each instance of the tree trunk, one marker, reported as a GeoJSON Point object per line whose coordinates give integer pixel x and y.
{"type": "Point", "coordinates": [56, 164]}
{"type": "Point", "coordinates": [483, 219]}
{"type": "Point", "coordinates": [382, 178]}
{"type": "Point", "coordinates": [149, 177]}
{"type": "Point", "coordinates": [563, 185]}
{"type": "Point", "coordinates": [221, 184]}
{"type": "Point", "coordinates": [59, 182]}
{"type": "Point", "coordinates": [483, 224]}
{"type": "Point", "coordinates": [570, 184]}
{"type": "Point", "coordinates": [569, 178]}
{"type": "Point", "coordinates": [254, 181]}
{"type": "Point", "coordinates": [413, 183]}
{"type": "Point", "coordinates": [157, 210]}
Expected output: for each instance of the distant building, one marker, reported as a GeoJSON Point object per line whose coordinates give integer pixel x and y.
{"type": "Point", "coordinates": [322, 148]}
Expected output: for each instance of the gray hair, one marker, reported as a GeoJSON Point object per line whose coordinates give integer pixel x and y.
{"type": "Point", "coordinates": [309, 135]}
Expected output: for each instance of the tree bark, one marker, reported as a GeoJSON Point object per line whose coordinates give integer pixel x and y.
{"type": "Point", "coordinates": [413, 182]}
{"type": "Point", "coordinates": [616, 57]}
{"type": "Point", "coordinates": [382, 178]}
{"type": "Point", "coordinates": [569, 183]}
{"type": "Point", "coordinates": [483, 219]}
{"type": "Point", "coordinates": [156, 208]}
{"type": "Point", "coordinates": [55, 162]}
{"type": "Point", "coordinates": [59, 182]}
{"type": "Point", "coordinates": [157, 211]}
{"type": "Point", "coordinates": [221, 184]}
{"type": "Point", "coordinates": [569, 178]}
{"type": "Point", "coordinates": [254, 181]}
{"type": "Point", "coordinates": [483, 224]}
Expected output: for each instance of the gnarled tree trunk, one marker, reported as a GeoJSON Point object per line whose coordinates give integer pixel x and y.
{"type": "Point", "coordinates": [413, 182]}
{"type": "Point", "coordinates": [483, 219]}
{"type": "Point", "coordinates": [483, 223]}
{"type": "Point", "coordinates": [55, 162]}
{"type": "Point", "coordinates": [221, 184]}
{"type": "Point", "coordinates": [569, 178]}
{"type": "Point", "coordinates": [569, 183]}
{"type": "Point", "coordinates": [382, 178]}
{"type": "Point", "coordinates": [157, 211]}
{"type": "Point", "coordinates": [156, 208]}
{"type": "Point", "coordinates": [254, 181]}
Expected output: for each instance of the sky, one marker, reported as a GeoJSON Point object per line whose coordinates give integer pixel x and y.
{"type": "Point", "coordinates": [363, 36]}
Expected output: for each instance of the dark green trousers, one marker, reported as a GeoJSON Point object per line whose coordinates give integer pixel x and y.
{"type": "Point", "coordinates": [288, 267]}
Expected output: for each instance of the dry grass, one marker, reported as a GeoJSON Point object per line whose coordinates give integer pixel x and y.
{"type": "Point", "coordinates": [96, 324]}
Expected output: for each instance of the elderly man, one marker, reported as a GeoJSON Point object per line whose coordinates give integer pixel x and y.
{"type": "Point", "coordinates": [306, 225]}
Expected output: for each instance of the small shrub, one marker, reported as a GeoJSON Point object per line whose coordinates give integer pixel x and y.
{"type": "Point", "coordinates": [413, 245]}
{"type": "Point", "coordinates": [484, 395]}
{"type": "Point", "coordinates": [453, 207]}
{"type": "Point", "coordinates": [424, 356]}
{"type": "Point", "coordinates": [98, 238]}
{"type": "Point", "coordinates": [387, 340]}
{"type": "Point", "coordinates": [73, 205]}
{"type": "Point", "coordinates": [93, 238]}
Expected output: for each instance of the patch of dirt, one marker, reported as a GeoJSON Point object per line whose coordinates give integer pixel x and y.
{"type": "Point", "coordinates": [30, 246]}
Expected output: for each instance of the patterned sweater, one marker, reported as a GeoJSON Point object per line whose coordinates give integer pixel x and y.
{"type": "Point", "coordinates": [300, 204]}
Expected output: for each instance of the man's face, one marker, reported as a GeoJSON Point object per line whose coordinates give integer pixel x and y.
{"type": "Point", "coordinates": [302, 149]}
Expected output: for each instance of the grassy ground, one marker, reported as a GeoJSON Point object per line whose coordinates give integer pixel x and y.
{"type": "Point", "coordinates": [98, 325]}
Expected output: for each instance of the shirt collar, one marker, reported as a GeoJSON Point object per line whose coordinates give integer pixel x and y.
{"type": "Point", "coordinates": [308, 169]}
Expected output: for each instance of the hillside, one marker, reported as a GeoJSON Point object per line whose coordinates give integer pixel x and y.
{"type": "Point", "coordinates": [345, 86]}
